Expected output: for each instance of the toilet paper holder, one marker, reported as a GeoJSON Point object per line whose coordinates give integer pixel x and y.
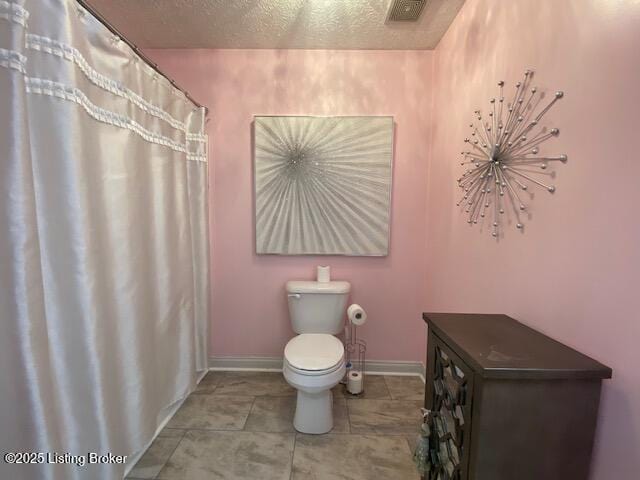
{"type": "Point", "coordinates": [355, 352]}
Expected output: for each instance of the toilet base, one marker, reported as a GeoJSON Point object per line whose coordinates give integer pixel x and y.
{"type": "Point", "coordinates": [314, 404]}
{"type": "Point", "coordinates": [314, 412]}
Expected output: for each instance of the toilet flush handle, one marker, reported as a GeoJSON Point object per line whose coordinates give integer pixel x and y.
{"type": "Point", "coordinates": [293, 295]}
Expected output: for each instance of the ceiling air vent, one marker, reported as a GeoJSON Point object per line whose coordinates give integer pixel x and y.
{"type": "Point", "coordinates": [405, 10]}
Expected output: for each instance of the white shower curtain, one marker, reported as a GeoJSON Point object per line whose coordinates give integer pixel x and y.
{"type": "Point", "coordinates": [103, 243]}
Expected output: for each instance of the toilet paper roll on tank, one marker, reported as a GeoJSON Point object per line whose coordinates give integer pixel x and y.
{"type": "Point", "coordinates": [323, 274]}
{"type": "Point", "coordinates": [356, 314]}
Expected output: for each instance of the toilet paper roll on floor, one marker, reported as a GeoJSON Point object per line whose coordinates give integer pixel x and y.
{"type": "Point", "coordinates": [356, 314]}
{"type": "Point", "coordinates": [354, 382]}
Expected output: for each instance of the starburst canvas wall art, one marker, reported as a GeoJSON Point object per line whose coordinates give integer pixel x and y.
{"type": "Point", "coordinates": [322, 185]}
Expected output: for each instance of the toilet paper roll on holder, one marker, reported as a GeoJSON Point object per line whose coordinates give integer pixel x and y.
{"type": "Point", "coordinates": [355, 350]}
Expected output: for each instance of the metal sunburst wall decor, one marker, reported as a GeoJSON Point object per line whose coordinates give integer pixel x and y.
{"type": "Point", "coordinates": [503, 158]}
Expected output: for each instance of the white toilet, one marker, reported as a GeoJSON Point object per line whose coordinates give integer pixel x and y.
{"type": "Point", "coordinates": [314, 359]}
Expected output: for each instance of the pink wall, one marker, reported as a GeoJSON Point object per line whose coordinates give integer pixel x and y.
{"type": "Point", "coordinates": [569, 274]}
{"type": "Point", "coordinates": [573, 272]}
{"type": "Point", "coordinates": [249, 314]}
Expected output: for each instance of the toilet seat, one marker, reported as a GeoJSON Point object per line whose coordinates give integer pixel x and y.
{"type": "Point", "coordinates": [314, 354]}
{"type": "Point", "coordinates": [313, 373]}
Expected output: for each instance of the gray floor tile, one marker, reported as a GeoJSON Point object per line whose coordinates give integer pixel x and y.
{"type": "Point", "coordinates": [352, 457]}
{"type": "Point", "coordinates": [204, 455]}
{"type": "Point", "coordinates": [340, 416]}
{"type": "Point", "coordinates": [374, 388]}
{"type": "Point", "coordinates": [272, 414]}
{"type": "Point", "coordinates": [172, 432]}
{"type": "Point", "coordinates": [390, 417]}
{"type": "Point", "coordinates": [275, 414]}
{"type": "Point", "coordinates": [209, 383]}
{"type": "Point", "coordinates": [154, 458]}
{"type": "Point", "coordinates": [405, 387]}
{"type": "Point", "coordinates": [356, 448]}
{"type": "Point", "coordinates": [212, 412]}
{"type": "Point", "coordinates": [254, 384]}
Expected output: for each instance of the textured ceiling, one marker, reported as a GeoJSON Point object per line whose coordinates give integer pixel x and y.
{"type": "Point", "coordinates": [326, 24]}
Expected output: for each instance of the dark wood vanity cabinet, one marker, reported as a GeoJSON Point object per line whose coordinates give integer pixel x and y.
{"type": "Point", "coordinates": [506, 402]}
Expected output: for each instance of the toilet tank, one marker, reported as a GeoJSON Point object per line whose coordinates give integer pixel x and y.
{"type": "Point", "coordinates": [317, 307]}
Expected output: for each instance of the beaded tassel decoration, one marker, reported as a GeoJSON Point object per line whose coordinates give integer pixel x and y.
{"type": "Point", "coordinates": [421, 455]}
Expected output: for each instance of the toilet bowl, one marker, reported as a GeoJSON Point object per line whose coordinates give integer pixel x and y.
{"type": "Point", "coordinates": [313, 365]}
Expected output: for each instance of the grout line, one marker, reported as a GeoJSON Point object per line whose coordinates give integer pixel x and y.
{"type": "Point", "coordinates": [198, 429]}
{"type": "Point", "coordinates": [267, 431]}
{"type": "Point", "coordinates": [240, 431]}
{"type": "Point", "coordinates": [349, 400]}
{"type": "Point", "coordinates": [218, 383]}
{"type": "Point", "coordinates": [184, 432]}
{"type": "Point", "coordinates": [214, 430]}
{"type": "Point", "coordinates": [293, 454]}
{"type": "Point", "coordinates": [244, 425]}
{"type": "Point", "coordinates": [394, 374]}
{"type": "Point", "coordinates": [244, 369]}
{"type": "Point", "coordinates": [384, 379]}
{"type": "Point", "coordinates": [239, 395]}
{"type": "Point", "coordinates": [348, 415]}
{"type": "Point", "coordinates": [358, 434]}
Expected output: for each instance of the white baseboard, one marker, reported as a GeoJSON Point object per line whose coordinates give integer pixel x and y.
{"type": "Point", "coordinates": [274, 364]}
{"type": "Point", "coordinates": [254, 364]}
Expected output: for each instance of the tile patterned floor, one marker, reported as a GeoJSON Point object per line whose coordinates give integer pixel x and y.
{"type": "Point", "coordinates": [239, 425]}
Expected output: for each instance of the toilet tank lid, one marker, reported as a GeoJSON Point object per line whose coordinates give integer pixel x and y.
{"type": "Point", "coordinates": [302, 286]}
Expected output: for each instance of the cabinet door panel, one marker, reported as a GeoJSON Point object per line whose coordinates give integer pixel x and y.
{"type": "Point", "coordinates": [448, 399]}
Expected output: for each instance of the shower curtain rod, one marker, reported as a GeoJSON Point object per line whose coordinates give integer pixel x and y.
{"type": "Point", "coordinates": [138, 52]}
